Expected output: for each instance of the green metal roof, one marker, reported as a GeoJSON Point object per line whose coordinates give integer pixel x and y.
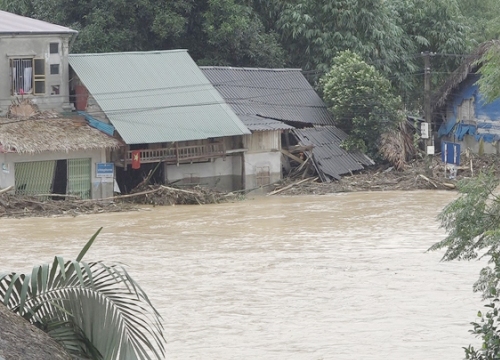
{"type": "Point", "coordinates": [157, 96]}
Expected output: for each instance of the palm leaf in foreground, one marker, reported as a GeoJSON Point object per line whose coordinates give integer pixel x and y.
{"type": "Point", "coordinates": [92, 309]}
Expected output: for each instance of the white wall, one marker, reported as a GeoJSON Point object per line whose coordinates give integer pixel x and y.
{"type": "Point", "coordinates": [35, 46]}
{"type": "Point", "coordinates": [257, 160]}
{"type": "Point", "coordinates": [100, 189]}
{"type": "Point", "coordinates": [222, 174]}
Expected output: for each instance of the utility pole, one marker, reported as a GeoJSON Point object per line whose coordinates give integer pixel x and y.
{"type": "Point", "coordinates": [429, 143]}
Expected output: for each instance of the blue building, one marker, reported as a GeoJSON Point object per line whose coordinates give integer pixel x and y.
{"type": "Point", "coordinates": [461, 112]}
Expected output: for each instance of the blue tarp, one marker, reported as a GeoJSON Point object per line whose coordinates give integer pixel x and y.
{"type": "Point", "coordinates": [483, 125]}
{"type": "Point", "coordinates": [99, 125]}
{"type": "Point", "coordinates": [463, 129]}
{"type": "Point", "coordinates": [447, 127]}
{"type": "Point", "coordinates": [489, 138]}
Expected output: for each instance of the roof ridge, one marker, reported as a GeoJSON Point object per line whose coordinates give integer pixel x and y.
{"type": "Point", "coordinates": [19, 24]}
{"type": "Point", "coordinates": [130, 53]}
{"type": "Point", "coordinates": [247, 68]}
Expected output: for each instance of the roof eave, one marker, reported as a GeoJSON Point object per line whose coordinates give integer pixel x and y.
{"type": "Point", "coordinates": [73, 32]}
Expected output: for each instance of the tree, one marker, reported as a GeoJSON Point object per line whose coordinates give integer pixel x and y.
{"type": "Point", "coordinates": [472, 223]}
{"type": "Point", "coordinates": [315, 31]}
{"type": "Point", "coordinates": [236, 36]}
{"type": "Point", "coordinates": [435, 26]}
{"type": "Point", "coordinates": [216, 32]}
{"type": "Point", "coordinates": [361, 101]}
{"type": "Point", "coordinates": [489, 82]}
{"type": "Point", "coordinates": [483, 17]}
{"type": "Point", "coordinates": [93, 310]}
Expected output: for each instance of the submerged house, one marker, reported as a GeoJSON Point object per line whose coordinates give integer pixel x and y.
{"type": "Point", "coordinates": [41, 150]}
{"type": "Point", "coordinates": [175, 126]}
{"type": "Point", "coordinates": [283, 111]}
{"type": "Point", "coordinates": [462, 114]}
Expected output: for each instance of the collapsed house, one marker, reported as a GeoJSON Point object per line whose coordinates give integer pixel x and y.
{"type": "Point", "coordinates": [283, 100]}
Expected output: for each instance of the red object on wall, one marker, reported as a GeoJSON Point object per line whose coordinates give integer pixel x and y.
{"type": "Point", "coordinates": [82, 95]}
{"type": "Point", "coordinates": [136, 159]}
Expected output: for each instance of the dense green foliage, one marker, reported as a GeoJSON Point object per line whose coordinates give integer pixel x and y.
{"type": "Point", "coordinates": [93, 310]}
{"type": "Point", "coordinates": [361, 101]}
{"type": "Point", "coordinates": [489, 83]}
{"type": "Point", "coordinates": [436, 26]}
{"type": "Point", "coordinates": [472, 223]}
{"type": "Point", "coordinates": [483, 17]}
{"type": "Point", "coordinates": [391, 35]}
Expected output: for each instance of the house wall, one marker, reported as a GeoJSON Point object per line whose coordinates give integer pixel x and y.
{"type": "Point", "coordinates": [100, 188]}
{"type": "Point", "coordinates": [36, 46]}
{"type": "Point", "coordinates": [262, 157]}
{"type": "Point", "coordinates": [260, 141]}
{"type": "Point", "coordinates": [83, 97]}
{"type": "Point", "coordinates": [256, 164]}
{"type": "Point", "coordinates": [221, 174]}
{"type": "Point", "coordinates": [471, 121]}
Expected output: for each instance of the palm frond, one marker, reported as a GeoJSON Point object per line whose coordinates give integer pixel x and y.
{"type": "Point", "coordinates": [103, 302]}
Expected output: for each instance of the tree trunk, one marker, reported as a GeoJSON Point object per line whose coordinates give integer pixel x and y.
{"type": "Point", "coordinates": [22, 341]}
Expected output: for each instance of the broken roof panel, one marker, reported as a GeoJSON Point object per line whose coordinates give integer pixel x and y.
{"type": "Point", "coordinates": [156, 96]}
{"type": "Point", "coordinates": [328, 156]}
{"type": "Point", "coordinates": [16, 24]}
{"type": "Point", "coordinates": [257, 123]}
{"type": "Point", "coordinates": [281, 94]}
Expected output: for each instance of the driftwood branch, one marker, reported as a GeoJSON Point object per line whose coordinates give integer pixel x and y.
{"type": "Point", "coordinates": [291, 186]}
{"type": "Point", "coordinates": [428, 180]}
{"type": "Point", "coordinates": [124, 196]}
{"type": "Point", "coordinates": [8, 188]}
{"type": "Point", "coordinates": [179, 190]}
{"type": "Point", "coordinates": [58, 195]}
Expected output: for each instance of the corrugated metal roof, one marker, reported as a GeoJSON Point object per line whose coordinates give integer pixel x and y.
{"type": "Point", "coordinates": [257, 123]}
{"type": "Point", "coordinates": [157, 96]}
{"type": "Point", "coordinates": [13, 23]}
{"type": "Point", "coordinates": [281, 94]}
{"type": "Point", "coordinates": [327, 154]}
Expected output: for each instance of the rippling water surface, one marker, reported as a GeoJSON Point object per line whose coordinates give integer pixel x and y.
{"type": "Point", "coordinates": [344, 276]}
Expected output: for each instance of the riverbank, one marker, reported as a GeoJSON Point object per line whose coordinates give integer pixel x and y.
{"type": "Point", "coordinates": [379, 178]}
{"type": "Point", "coordinates": [383, 178]}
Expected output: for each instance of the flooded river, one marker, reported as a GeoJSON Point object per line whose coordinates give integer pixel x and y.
{"type": "Point", "coordinates": [344, 276]}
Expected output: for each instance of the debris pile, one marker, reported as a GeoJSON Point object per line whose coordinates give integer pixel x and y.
{"type": "Point", "coordinates": [27, 206]}
{"type": "Point", "coordinates": [413, 176]}
{"type": "Point", "coordinates": [166, 195]}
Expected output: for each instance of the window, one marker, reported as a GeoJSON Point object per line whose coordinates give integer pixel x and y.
{"type": "Point", "coordinates": [263, 176]}
{"type": "Point", "coordinates": [28, 76]}
{"type": "Point", "coordinates": [54, 69]}
{"type": "Point", "coordinates": [54, 48]}
{"type": "Point", "coordinates": [39, 76]}
{"type": "Point", "coordinates": [466, 110]}
{"type": "Point", "coordinates": [56, 89]}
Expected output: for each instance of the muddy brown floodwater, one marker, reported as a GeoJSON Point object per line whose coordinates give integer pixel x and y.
{"type": "Point", "coordinates": [343, 276]}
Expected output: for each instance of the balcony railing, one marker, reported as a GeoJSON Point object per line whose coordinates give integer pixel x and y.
{"type": "Point", "coordinates": [179, 154]}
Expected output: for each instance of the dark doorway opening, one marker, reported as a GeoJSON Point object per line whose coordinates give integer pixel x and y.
{"type": "Point", "coordinates": [129, 179]}
{"type": "Point", "coordinates": [60, 183]}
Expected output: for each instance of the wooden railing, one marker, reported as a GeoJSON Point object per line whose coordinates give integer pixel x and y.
{"type": "Point", "coordinates": [180, 154]}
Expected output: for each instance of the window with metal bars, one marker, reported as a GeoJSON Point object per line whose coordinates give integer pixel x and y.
{"type": "Point", "coordinates": [28, 76]}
